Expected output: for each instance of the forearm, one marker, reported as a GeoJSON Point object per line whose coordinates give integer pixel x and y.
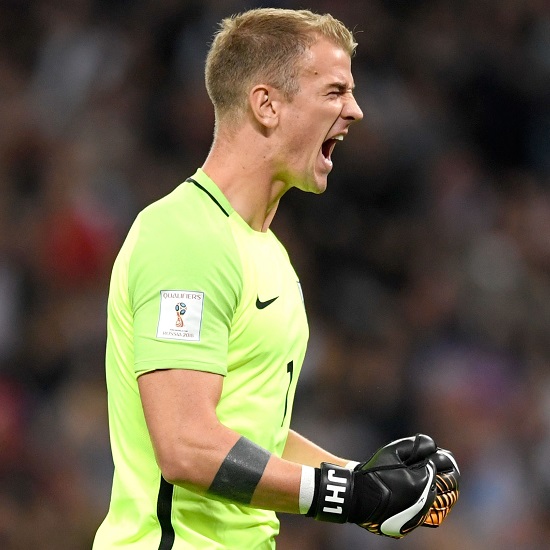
{"type": "Point", "coordinates": [242, 473]}
{"type": "Point", "coordinates": [303, 451]}
{"type": "Point", "coordinates": [279, 487]}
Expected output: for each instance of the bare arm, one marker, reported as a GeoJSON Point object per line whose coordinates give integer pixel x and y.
{"type": "Point", "coordinates": [194, 450]}
{"type": "Point", "coordinates": [303, 451]}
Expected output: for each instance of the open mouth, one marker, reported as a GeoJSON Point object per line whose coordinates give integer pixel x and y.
{"type": "Point", "coordinates": [328, 146]}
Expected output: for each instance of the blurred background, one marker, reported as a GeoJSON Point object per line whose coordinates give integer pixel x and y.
{"type": "Point", "coordinates": [425, 266]}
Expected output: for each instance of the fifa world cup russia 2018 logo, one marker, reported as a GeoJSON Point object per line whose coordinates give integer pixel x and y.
{"type": "Point", "coordinates": [181, 308]}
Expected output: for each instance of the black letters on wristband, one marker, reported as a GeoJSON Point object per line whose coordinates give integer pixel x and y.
{"type": "Point", "coordinates": [332, 501]}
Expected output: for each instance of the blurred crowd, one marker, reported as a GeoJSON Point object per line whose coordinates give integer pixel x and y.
{"type": "Point", "coordinates": [425, 266]}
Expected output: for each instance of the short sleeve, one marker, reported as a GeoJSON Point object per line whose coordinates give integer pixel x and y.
{"type": "Point", "coordinates": [184, 283]}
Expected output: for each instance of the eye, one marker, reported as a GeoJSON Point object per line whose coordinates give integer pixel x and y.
{"type": "Point", "coordinates": [338, 90]}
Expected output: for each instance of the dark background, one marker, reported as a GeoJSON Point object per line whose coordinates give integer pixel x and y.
{"type": "Point", "coordinates": [425, 266]}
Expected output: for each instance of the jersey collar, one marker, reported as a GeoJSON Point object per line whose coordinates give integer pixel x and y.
{"type": "Point", "coordinates": [200, 177]}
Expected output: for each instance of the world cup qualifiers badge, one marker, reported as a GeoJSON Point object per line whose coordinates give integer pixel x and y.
{"type": "Point", "coordinates": [181, 308]}
{"type": "Point", "coordinates": [186, 304]}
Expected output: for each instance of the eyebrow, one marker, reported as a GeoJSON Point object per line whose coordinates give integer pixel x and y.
{"type": "Point", "coordinates": [341, 86]}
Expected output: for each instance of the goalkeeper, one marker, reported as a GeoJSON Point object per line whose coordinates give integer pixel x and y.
{"type": "Point", "coordinates": [207, 327]}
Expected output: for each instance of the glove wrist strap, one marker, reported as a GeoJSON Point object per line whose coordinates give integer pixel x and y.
{"type": "Point", "coordinates": [333, 497]}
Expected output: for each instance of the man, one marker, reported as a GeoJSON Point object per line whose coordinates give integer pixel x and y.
{"type": "Point", "coordinates": [207, 328]}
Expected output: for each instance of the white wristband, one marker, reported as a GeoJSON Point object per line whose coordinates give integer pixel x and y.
{"type": "Point", "coordinates": [351, 464]}
{"type": "Point", "coordinates": [307, 489]}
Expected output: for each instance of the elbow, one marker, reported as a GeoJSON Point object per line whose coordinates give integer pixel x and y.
{"type": "Point", "coordinates": [171, 475]}
{"type": "Point", "coordinates": [175, 469]}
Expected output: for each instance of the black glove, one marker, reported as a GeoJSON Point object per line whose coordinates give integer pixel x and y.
{"type": "Point", "coordinates": [389, 495]}
{"type": "Point", "coordinates": [447, 482]}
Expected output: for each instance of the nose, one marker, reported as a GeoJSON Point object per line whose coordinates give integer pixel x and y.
{"type": "Point", "coordinates": [352, 111]}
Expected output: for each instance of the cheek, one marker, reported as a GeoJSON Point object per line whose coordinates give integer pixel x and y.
{"type": "Point", "coordinates": [300, 143]}
{"type": "Point", "coordinates": [302, 137]}
{"type": "Point", "coordinates": [306, 140]}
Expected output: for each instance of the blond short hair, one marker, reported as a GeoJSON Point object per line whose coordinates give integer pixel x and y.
{"type": "Point", "coordinates": [265, 45]}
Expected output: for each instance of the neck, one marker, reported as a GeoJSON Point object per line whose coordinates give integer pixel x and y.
{"type": "Point", "coordinates": [245, 175]}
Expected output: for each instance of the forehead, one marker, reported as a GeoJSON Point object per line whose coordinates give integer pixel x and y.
{"type": "Point", "coordinates": [326, 63]}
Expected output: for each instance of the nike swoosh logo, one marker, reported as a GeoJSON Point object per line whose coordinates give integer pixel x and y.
{"type": "Point", "coordinates": [261, 305]}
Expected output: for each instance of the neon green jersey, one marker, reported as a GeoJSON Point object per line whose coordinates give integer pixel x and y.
{"type": "Point", "coordinates": [194, 287]}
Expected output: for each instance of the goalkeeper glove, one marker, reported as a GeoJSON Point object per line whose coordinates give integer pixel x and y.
{"type": "Point", "coordinates": [390, 494]}
{"type": "Point", "coordinates": [447, 481]}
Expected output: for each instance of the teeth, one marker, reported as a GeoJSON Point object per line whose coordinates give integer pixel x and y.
{"type": "Point", "coordinates": [339, 138]}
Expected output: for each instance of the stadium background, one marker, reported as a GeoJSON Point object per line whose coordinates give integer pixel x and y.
{"type": "Point", "coordinates": [425, 266]}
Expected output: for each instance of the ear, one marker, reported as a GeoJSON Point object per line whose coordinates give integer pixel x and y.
{"type": "Point", "coordinates": [264, 103]}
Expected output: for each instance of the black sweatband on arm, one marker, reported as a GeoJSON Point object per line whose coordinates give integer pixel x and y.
{"type": "Point", "coordinates": [240, 472]}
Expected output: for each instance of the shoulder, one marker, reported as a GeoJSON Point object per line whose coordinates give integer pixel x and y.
{"type": "Point", "coordinates": [187, 206]}
{"type": "Point", "coordinates": [187, 220]}
{"type": "Point", "coordinates": [184, 240]}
